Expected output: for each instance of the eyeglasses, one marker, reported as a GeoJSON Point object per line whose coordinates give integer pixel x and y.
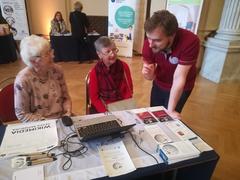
{"type": "Point", "coordinates": [110, 52]}
{"type": "Point", "coordinates": [47, 54]}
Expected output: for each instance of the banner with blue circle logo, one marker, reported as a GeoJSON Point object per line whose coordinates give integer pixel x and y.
{"type": "Point", "coordinates": [121, 20]}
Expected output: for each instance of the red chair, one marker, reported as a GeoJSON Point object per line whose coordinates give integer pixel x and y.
{"type": "Point", "coordinates": [7, 111]}
{"type": "Point", "coordinates": [89, 108]}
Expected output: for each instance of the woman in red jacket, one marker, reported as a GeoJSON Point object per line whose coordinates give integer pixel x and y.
{"type": "Point", "coordinates": [110, 79]}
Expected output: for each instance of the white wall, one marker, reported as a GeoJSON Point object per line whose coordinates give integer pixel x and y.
{"type": "Point", "coordinates": [93, 7]}
{"type": "Point", "coordinates": [157, 5]}
{"type": "Point", "coordinates": [41, 12]}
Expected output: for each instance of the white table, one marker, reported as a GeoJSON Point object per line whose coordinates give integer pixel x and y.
{"type": "Point", "coordinates": [89, 165]}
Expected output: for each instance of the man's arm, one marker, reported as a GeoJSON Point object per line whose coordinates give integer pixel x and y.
{"type": "Point", "coordinates": [179, 80]}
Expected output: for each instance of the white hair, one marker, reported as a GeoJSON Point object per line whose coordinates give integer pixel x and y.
{"type": "Point", "coordinates": [78, 6]}
{"type": "Point", "coordinates": [32, 46]}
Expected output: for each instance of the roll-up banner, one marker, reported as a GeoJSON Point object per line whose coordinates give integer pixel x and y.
{"type": "Point", "coordinates": [121, 20]}
{"type": "Point", "coordinates": [187, 13]}
{"type": "Point", "coordinates": [14, 11]}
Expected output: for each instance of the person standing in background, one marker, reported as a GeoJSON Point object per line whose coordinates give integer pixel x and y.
{"type": "Point", "coordinates": [6, 29]}
{"type": "Point", "coordinates": [169, 58]}
{"type": "Point", "coordinates": [79, 25]}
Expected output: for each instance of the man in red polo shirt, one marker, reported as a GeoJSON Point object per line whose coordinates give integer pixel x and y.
{"type": "Point", "coordinates": [169, 57]}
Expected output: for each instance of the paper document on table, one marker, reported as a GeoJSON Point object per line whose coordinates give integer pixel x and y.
{"type": "Point", "coordinates": [201, 145]}
{"type": "Point", "coordinates": [144, 116]}
{"type": "Point", "coordinates": [116, 159]}
{"type": "Point", "coordinates": [181, 130]}
{"type": "Point", "coordinates": [158, 134]}
{"type": "Point", "coordinates": [35, 173]}
{"type": "Point", "coordinates": [29, 137]}
{"type": "Point", "coordinates": [178, 151]}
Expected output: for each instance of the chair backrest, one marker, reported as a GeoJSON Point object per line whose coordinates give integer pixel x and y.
{"type": "Point", "coordinates": [7, 111]}
{"type": "Point", "coordinates": [88, 103]}
{"type": "Point", "coordinates": [90, 109]}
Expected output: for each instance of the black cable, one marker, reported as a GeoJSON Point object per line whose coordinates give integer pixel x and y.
{"type": "Point", "coordinates": [82, 149]}
{"type": "Point", "coordinates": [64, 144]}
{"type": "Point", "coordinates": [141, 148]}
{"type": "Point", "coordinates": [69, 160]}
{"type": "Point", "coordinates": [72, 129]}
{"type": "Point", "coordinates": [69, 135]}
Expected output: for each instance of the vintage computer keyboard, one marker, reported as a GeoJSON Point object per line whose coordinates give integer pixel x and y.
{"type": "Point", "coordinates": [99, 126]}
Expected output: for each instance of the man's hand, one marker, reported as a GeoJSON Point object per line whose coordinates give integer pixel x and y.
{"type": "Point", "coordinates": [148, 71]}
{"type": "Point", "coordinates": [174, 114]}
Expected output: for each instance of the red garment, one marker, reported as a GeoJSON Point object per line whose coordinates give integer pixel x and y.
{"type": "Point", "coordinates": [109, 80]}
{"type": "Point", "coordinates": [124, 88]}
{"type": "Point", "coordinates": [184, 51]}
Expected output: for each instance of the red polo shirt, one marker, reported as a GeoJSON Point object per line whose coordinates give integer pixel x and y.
{"type": "Point", "coordinates": [184, 51]}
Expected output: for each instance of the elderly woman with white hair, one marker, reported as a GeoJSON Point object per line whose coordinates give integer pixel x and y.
{"type": "Point", "coordinates": [40, 89]}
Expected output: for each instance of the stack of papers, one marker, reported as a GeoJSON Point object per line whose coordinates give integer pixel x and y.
{"type": "Point", "coordinates": [159, 136]}
{"type": "Point", "coordinates": [116, 159]}
{"type": "Point", "coordinates": [36, 173]}
{"type": "Point", "coordinates": [178, 151]}
{"type": "Point", "coordinates": [30, 137]}
{"type": "Point", "coordinates": [94, 33]}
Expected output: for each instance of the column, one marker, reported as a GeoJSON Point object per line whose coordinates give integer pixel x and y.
{"type": "Point", "coordinates": [221, 61]}
{"type": "Point", "coordinates": [229, 28]}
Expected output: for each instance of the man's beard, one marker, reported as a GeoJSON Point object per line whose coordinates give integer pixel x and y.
{"type": "Point", "coordinates": [158, 49]}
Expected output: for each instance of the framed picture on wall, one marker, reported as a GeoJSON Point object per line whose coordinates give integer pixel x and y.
{"type": "Point", "coordinates": [187, 13]}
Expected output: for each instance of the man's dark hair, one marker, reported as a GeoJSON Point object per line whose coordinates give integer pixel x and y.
{"type": "Point", "coordinates": [163, 19]}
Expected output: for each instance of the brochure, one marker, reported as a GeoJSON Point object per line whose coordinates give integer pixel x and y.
{"type": "Point", "coordinates": [145, 116]}
{"type": "Point", "coordinates": [180, 129]}
{"type": "Point", "coordinates": [116, 159]}
{"type": "Point", "coordinates": [178, 151]}
{"type": "Point", "coordinates": [36, 173]}
{"type": "Point", "coordinates": [201, 145]}
{"type": "Point", "coordinates": [29, 137]}
{"type": "Point", "coordinates": [157, 134]}
{"type": "Point", "coordinates": [162, 116]}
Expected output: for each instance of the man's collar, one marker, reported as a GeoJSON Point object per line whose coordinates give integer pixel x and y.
{"type": "Point", "coordinates": [167, 51]}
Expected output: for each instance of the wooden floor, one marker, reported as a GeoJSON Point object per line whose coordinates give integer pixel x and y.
{"type": "Point", "coordinates": [213, 110]}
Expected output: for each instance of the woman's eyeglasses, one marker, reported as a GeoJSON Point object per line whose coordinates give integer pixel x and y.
{"type": "Point", "coordinates": [110, 52]}
{"type": "Point", "coordinates": [47, 54]}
